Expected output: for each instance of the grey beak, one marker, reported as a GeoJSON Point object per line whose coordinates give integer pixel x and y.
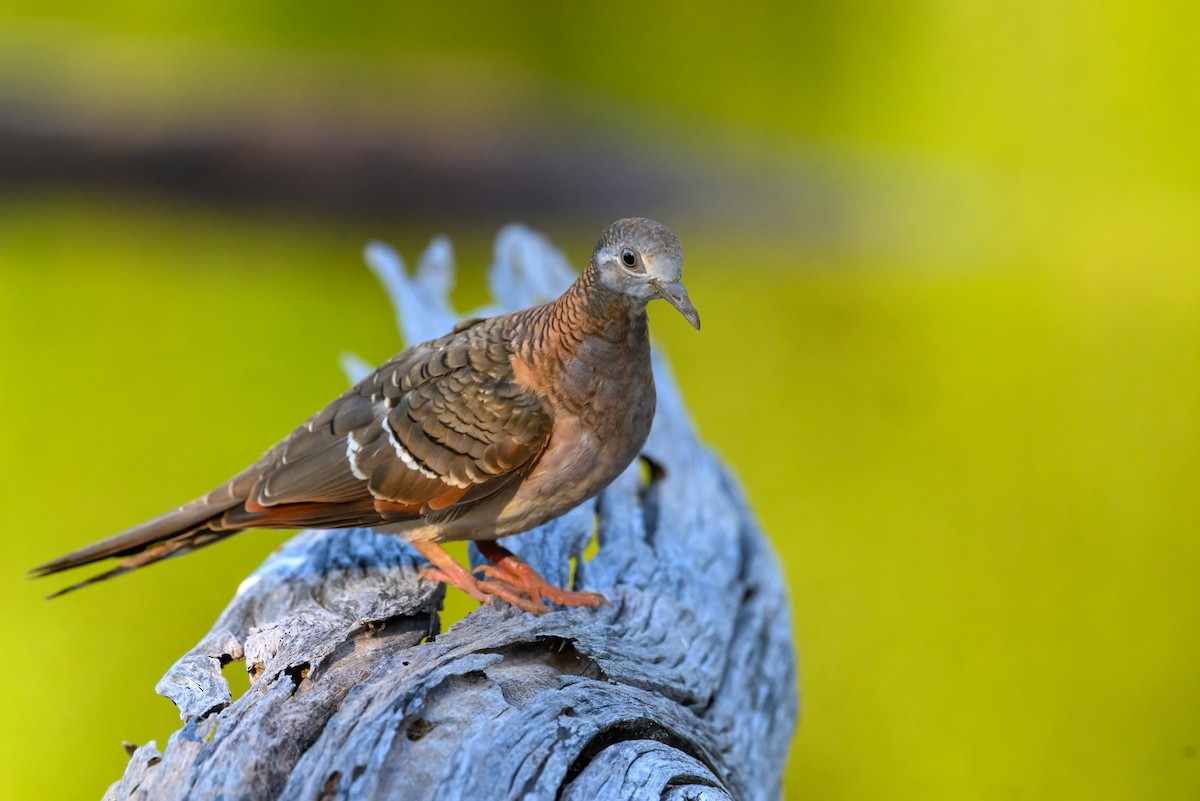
{"type": "Point", "coordinates": [676, 294]}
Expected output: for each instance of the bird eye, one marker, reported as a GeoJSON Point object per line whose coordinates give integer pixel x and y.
{"type": "Point", "coordinates": [628, 258]}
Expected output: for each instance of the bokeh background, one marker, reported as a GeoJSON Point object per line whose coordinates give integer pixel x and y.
{"type": "Point", "coordinates": [945, 252]}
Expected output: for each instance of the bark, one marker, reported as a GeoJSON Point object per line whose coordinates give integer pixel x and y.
{"type": "Point", "coordinates": [683, 688]}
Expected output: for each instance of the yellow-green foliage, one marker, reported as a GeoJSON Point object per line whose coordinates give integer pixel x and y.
{"type": "Point", "coordinates": [980, 481]}
{"type": "Point", "coordinates": [966, 406]}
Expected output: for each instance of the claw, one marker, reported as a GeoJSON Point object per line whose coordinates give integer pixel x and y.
{"type": "Point", "coordinates": [433, 574]}
{"type": "Point", "coordinates": [509, 578]}
{"type": "Point", "coordinates": [507, 592]}
{"type": "Point", "coordinates": [508, 567]}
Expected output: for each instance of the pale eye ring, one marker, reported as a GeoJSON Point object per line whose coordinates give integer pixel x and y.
{"type": "Point", "coordinates": [628, 258]}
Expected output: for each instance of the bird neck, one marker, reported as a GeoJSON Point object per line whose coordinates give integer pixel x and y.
{"type": "Point", "coordinates": [590, 330]}
{"type": "Point", "coordinates": [589, 311]}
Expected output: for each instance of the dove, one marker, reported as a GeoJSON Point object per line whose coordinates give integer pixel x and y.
{"type": "Point", "coordinates": [493, 429]}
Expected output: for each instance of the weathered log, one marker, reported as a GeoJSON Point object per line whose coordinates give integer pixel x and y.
{"type": "Point", "coordinates": [683, 688]}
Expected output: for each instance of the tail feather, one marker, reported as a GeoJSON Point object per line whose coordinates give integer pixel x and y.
{"type": "Point", "coordinates": [185, 529]}
{"type": "Point", "coordinates": [185, 542]}
{"type": "Point", "coordinates": [218, 515]}
{"type": "Point", "coordinates": [131, 541]}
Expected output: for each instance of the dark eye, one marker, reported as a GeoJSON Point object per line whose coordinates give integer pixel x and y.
{"type": "Point", "coordinates": [628, 258]}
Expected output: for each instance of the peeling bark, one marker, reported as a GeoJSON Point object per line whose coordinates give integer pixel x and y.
{"type": "Point", "coordinates": [683, 688]}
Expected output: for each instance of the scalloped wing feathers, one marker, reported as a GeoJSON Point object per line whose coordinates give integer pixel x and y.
{"type": "Point", "coordinates": [442, 423]}
{"type": "Point", "coordinates": [429, 425]}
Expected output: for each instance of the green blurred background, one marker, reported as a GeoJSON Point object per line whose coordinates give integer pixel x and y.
{"type": "Point", "coordinates": [946, 258]}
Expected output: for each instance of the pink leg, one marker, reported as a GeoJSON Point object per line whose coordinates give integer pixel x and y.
{"type": "Point", "coordinates": [516, 572]}
{"type": "Point", "coordinates": [448, 571]}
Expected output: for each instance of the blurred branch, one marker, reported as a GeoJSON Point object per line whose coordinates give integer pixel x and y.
{"type": "Point", "coordinates": [480, 171]}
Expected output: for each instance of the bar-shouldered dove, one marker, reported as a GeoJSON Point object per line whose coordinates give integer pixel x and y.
{"type": "Point", "coordinates": [491, 430]}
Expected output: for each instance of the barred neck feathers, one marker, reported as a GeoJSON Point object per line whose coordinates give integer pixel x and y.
{"type": "Point", "coordinates": [590, 310]}
{"type": "Point", "coordinates": [595, 336]}
{"type": "Point", "coordinates": [588, 322]}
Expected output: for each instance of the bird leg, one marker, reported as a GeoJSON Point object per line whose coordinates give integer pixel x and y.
{"type": "Point", "coordinates": [515, 572]}
{"type": "Point", "coordinates": [448, 571]}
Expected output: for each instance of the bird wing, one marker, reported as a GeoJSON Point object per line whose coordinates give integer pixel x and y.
{"type": "Point", "coordinates": [438, 421]}
{"type": "Point", "coordinates": [440, 427]}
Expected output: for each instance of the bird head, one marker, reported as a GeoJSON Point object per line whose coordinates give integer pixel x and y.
{"type": "Point", "coordinates": [643, 260]}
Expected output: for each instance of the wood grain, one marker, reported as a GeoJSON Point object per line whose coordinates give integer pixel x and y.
{"type": "Point", "coordinates": [683, 688]}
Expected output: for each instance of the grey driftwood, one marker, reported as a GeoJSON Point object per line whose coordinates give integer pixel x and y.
{"type": "Point", "coordinates": [683, 688]}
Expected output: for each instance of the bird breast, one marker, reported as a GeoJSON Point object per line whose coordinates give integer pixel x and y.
{"type": "Point", "coordinates": [597, 433]}
{"type": "Point", "coordinates": [579, 462]}
{"type": "Point", "coordinates": [599, 429]}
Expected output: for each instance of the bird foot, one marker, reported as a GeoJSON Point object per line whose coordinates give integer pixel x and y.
{"type": "Point", "coordinates": [450, 572]}
{"type": "Point", "coordinates": [509, 578]}
{"type": "Point", "coordinates": [463, 581]}
{"type": "Point", "coordinates": [512, 570]}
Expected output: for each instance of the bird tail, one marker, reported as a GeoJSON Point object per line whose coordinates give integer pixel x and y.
{"type": "Point", "coordinates": [188, 528]}
{"type": "Point", "coordinates": [220, 514]}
